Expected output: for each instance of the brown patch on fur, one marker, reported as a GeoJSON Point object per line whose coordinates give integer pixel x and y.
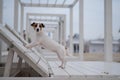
{"type": "Point", "coordinates": [34, 25]}
{"type": "Point", "coordinates": [42, 25]}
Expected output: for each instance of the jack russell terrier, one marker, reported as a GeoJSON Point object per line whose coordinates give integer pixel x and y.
{"type": "Point", "coordinates": [48, 43]}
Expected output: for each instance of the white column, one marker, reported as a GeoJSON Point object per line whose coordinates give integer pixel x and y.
{"type": "Point", "coordinates": [21, 19]}
{"type": "Point", "coordinates": [57, 33]}
{"type": "Point", "coordinates": [1, 17]}
{"type": "Point", "coordinates": [81, 30]}
{"type": "Point", "coordinates": [53, 35]}
{"type": "Point", "coordinates": [62, 25]}
{"type": "Point", "coordinates": [16, 15]}
{"type": "Point", "coordinates": [27, 27]}
{"type": "Point", "coordinates": [71, 31]}
{"type": "Point", "coordinates": [108, 29]}
{"type": "Point", "coordinates": [1, 11]}
{"type": "Point", "coordinates": [64, 28]}
{"type": "Point", "coordinates": [60, 32]}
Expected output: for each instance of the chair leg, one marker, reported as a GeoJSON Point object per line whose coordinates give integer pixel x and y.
{"type": "Point", "coordinates": [9, 63]}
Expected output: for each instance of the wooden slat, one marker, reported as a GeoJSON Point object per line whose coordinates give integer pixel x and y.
{"type": "Point", "coordinates": [81, 67]}
{"type": "Point", "coordinates": [70, 70]}
{"type": "Point", "coordinates": [31, 58]}
{"type": "Point", "coordinates": [58, 72]}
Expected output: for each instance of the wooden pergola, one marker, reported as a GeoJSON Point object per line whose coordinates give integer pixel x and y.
{"type": "Point", "coordinates": [68, 4]}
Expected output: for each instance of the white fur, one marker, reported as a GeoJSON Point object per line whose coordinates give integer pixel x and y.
{"type": "Point", "coordinates": [46, 42]}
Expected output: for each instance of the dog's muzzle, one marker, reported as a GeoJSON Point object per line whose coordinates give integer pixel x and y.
{"type": "Point", "coordinates": [37, 30]}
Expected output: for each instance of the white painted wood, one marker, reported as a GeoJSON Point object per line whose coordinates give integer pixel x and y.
{"type": "Point", "coordinates": [54, 37]}
{"type": "Point", "coordinates": [0, 50]}
{"type": "Point", "coordinates": [63, 2]}
{"type": "Point", "coordinates": [64, 78]}
{"type": "Point", "coordinates": [37, 14]}
{"type": "Point", "coordinates": [16, 15]}
{"type": "Point", "coordinates": [57, 34]}
{"type": "Point", "coordinates": [64, 30]}
{"type": "Point", "coordinates": [1, 21]}
{"type": "Point", "coordinates": [31, 62]}
{"type": "Point", "coordinates": [86, 69]}
{"type": "Point", "coordinates": [55, 2]}
{"type": "Point", "coordinates": [48, 20]}
{"type": "Point", "coordinates": [108, 30]}
{"type": "Point", "coordinates": [58, 72]}
{"type": "Point", "coordinates": [61, 32]}
{"type": "Point", "coordinates": [1, 11]}
{"type": "Point", "coordinates": [21, 19]}
{"type": "Point", "coordinates": [72, 72]}
{"type": "Point", "coordinates": [75, 1]}
{"type": "Point", "coordinates": [28, 55]}
{"type": "Point", "coordinates": [27, 27]}
{"type": "Point", "coordinates": [44, 5]}
{"type": "Point", "coordinates": [81, 30]}
{"type": "Point", "coordinates": [9, 63]}
{"type": "Point", "coordinates": [16, 34]}
{"type": "Point", "coordinates": [71, 31]}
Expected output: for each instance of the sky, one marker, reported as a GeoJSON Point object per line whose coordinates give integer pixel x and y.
{"type": "Point", "coordinates": [93, 17]}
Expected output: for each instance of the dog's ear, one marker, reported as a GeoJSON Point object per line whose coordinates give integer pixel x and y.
{"type": "Point", "coordinates": [33, 24]}
{"type": "Point", "coordinates": [43, 25]}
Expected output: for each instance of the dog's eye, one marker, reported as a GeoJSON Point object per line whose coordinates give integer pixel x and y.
{"type": "Point", "coordinates": [35, 25]}
{"type": "Point", "coordinates": [40, 26]}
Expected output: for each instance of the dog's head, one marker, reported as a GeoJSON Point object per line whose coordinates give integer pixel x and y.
{"type": "Point", "coordinates": [37, 26]}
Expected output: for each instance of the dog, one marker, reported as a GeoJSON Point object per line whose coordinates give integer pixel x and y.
{"type": "Point", "coordinates": [43, 40]}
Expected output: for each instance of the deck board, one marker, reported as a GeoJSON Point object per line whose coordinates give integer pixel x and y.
{"type": "Point", "coordinates": [77, 69]}
{"type": "Point", "coordinates": [58, 71]}
{"type": "Point", "coordinates": [70, 70]}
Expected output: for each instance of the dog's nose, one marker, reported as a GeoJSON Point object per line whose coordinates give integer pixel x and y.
{"type": "Point", "coordinates": [37, 30]}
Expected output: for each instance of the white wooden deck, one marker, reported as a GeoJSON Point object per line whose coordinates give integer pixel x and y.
{"type": "Point", "coordinates": [75, 70]}
{"type": "Point", "coordinates": [78, 69]}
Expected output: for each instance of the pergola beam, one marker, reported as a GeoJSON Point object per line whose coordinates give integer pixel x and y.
{"type": "Point", "coordinates": [37, 14]}
{"type": "Point", "coordinates": [74, 3]}
{"type": "Point", "coordinates": [52, 25]}
{"type": "Point", "coordinates": [44, 5]}
{"type": "Point", "coordinates": [48, 20]}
